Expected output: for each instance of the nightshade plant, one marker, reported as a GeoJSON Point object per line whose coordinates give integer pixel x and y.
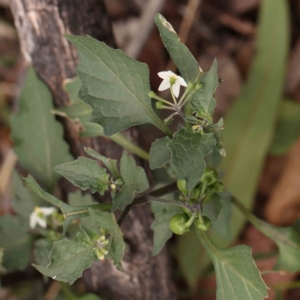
{"type": "Point", "coordinates": [115, 92]}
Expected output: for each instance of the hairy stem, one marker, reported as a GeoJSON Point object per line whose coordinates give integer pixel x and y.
{"type": "Point", "coordinates": [121, 140]}
{"type": "Point", "coordinates": [142, 199]}
{"type": "Point", "coordinates": [170, 202]}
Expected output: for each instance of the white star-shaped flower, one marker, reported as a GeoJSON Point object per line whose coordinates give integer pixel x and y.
{"type": "Point", "coordinates": [170, 79]}
{"type": "Point", "coordinates": [38, 216]}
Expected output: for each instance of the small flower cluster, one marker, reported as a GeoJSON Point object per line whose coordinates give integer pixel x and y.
{"type": "Point", "coordinates": [173, 82]}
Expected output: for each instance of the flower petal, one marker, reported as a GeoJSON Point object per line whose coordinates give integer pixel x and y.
{"type": "Point", "coordinates": [164, 74]}
{"type": "Point", "coordinates": [182, 81]}
{"type": "Point", "coordinates": [47, 211]}
{"type": "Point", "coordinates": [32, 220]}
{"type": "Point", "coordinates": [176, 88]}
{"type": "Point", "coordinates": [41, 222]}
{"type": "Point", "coordinates": [164, 85]}
{"type": "Point", "coordinates": [171, 74]}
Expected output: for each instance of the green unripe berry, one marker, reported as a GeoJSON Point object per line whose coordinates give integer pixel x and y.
{"type": "Point", "coordinates": [181, 184]}
{"type": "Point", "coordinates": [177, 223]}
{"type": "Point", "coordinates": [203, 225]}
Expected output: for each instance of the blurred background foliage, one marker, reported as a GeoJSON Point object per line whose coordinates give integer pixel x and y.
{"type": "Point", "coordinates": [257, 45]}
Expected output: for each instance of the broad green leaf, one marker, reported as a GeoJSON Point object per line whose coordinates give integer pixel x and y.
{"type": "Point", "coordinates": [79, 199]}
{"type": "Point", "coordinates": [192, 258]}
{"type": "Point", "coordinates": [180, 54]}
{"type": "Point", "coordinates": [69, 258]}
{"type": "Point", "coordinates": [188, 150]}
{"type": "Point", "coordinates": [220, 231]}
{"type": "Point", "coordinates": [287, 129]}
{"type": "Point", "coordinates": [23, 200]}
{"type": "Point", "coordinates": [108, 223]}
{"type": "Point", "coordinates": [115, 86]}
{"type": "Point", "coordinates": [86, 174]}
{"type": "Point", "coordinates": [160, 154]}
{"type": "Point", "coordinates": [237, 275]}
{"type": "Point", "coordinates": [78, 111]}
{"type": "Point", "coordinates": [160, 225]}
{"type": "Point", "coordinates": [16, 242]}
{"type": "Point", "coordinates": [217, 130]}
{"type": "Point", "coordinates": [203, 103]}
{"type": "Point", "coordinates": [250, 123]}
{"type": "Point", "coordinates": [71, 213]}
{"type": "Point", "coordinates": [110, 164]}
{"type": "Point", "coordinates": [135, 181]}
{"type": "Point", "coordinates": [42, 249]}
{"type": "Point", "coordinates": [287, 239]}
{"type": "Point", "coordinates": [38, 137]}
{"type": "Point", "coordinates": [213, 208]}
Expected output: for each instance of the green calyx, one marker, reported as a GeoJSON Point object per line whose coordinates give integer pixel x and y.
{"type": "Point", "coordinates": [202, 223]}
{"type": "Point", "coordinates": [209, 177]}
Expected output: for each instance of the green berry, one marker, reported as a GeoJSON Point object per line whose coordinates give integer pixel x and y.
{"type": "Point", "coordinates": [181, 184]}
{"type": "Point", "coordinates": [177, 223]}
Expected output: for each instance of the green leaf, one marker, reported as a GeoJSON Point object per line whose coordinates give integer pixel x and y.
{"type": "Point", "coordinates": [69, 258]}
{"type": "Point", "coordinates": [108, 223]}
{"type": "Point", "coordinates": [78, 111]}
{"type": "Point", "coordinates": [79, 199]}
{"type": "Point", "coordinates": [180, 54]}
{"type": "Point", "coordinates": [42, 249]}
{"type": "Point", "coordinates": [212, 209]}
{"type": "Point", "coordinates": [192, 258]}
{"type": "Point", "coordinates": [188, 150]}
{"type": "Point", "coordinates": [110, 164]}
{"type": "Point", "coordinates": [160, 225]}
{"type": "Point", "coordinates": [220, 231]}
{"type": "Point", "coordinates": [38, 137]}
{"type": "Point", "coordinates": [203, 103]}
{"type": "Point", "coordinates": [86, 174]}
{"type": "Point", "coordinates": [250, 122]}
{"type": "Point", "coordinates": [287, 129]}
{"type": "Point", "coordinates": [236, 272]}
{"type": "Point", "coordinates": [16, 242]}
{"type": "Point", "coordinates": [287, 239]}
{"type": "Point", "coordinates": [23, 201]}
{"type": "Point", "coordinates": [217, 130]}
{"type": "Point", "coordinates": [135, 181]}
{"type": "Point", "coordinates": [71, 213]}
{"type": "Point", "coordinates": [160, 154]}
{"type": "Point", "coordinates": [115, 86]}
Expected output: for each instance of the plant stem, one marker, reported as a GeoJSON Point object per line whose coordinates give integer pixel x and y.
{"type": "Point", "coordinates": [249, 216]}
{"type": "Point", "coordinates": [161, 100]}
{"type": "Point", "coordinates": [185, 94]}
{"type": "Point", "coordinates": [121, 140]}
{"type": "Point", "coordinates": [142, 199]}
{"type": "Point", "coordinates": [173, 96]}
{"type": "Point", "coordinates": [170, 202]}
